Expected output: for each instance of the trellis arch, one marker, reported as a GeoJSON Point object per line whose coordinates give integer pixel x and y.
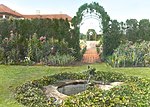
{"type": "Point", "coordinates": [92, 36]}
{"type": "Point", "coordinates": [91, 8]}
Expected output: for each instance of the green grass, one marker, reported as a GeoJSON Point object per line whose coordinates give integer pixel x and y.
{"type": "Point", "coordinates": [13, 76]}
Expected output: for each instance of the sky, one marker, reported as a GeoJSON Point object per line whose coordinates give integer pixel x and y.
{"type": "Point", "coordinates": [116, 9]}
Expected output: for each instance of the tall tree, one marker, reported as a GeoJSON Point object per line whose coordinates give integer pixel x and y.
{"type": "Point", "coordinates": [132, 32]}
{"type": "Point", "coordinates": [144, 29]}
{"type": "Point", "coordinates": [112, 39]}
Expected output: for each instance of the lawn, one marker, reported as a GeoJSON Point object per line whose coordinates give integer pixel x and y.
{"type": "Point", "coordinates": [13, 76]}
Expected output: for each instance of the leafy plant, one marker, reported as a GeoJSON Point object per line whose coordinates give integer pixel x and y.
{"type": "Point", "coordinates": [133, 93]}
{"type": "Point", "coordinates": [1, 54]}
{"type": "Point", "coordinates": [130, 54]}
{"type": "Point", "coordinates": [59, 59]}
{"type": "Point", "coordinates": [22, 44]}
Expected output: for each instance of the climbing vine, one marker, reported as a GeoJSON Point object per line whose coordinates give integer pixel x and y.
{"type": "Point", "coordinates": [92, 8]}
{"type": "Point", "coordinates": [91, 34]}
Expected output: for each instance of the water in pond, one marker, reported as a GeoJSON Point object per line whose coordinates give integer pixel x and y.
{"type": "Point", "coordinates": [72, 89]}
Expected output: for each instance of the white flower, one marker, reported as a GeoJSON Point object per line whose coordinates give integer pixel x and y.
{"type": "Point", "coordinates": [27, 58]}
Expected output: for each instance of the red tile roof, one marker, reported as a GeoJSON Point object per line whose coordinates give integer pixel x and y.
{"type": "Point", "coordinates": [49, 16]}
{"type": "Point", "coordinates": [5, 9]}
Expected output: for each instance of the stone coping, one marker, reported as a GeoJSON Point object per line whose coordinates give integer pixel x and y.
{"type": "Point", "coordinates": [69, 82]}
{"type": "Point", "coordinates": [52, 92]}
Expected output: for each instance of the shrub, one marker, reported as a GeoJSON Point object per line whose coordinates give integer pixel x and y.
{"type": "Point", "coordinates": [31, 95]}
{"type": "Point", "coordinates": [60, 59]}
{"type": "Point", "coordinates": [21, 31]}
{"type": "Point", "coordinates": [129, 54]}
{"type": "Point", "coordinates": [127, 95]}
{"type": "Point", "coordinates": [1, 54]}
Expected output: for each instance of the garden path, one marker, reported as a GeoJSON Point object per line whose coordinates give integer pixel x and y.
{"type": "Point", "coordinates": [91, 55]}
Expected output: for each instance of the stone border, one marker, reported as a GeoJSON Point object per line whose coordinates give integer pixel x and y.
{"type": "Point", "coordinates": [52, 92]}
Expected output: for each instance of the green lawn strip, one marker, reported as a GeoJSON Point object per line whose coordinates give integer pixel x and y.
{"type": "Point", "coordinates": [13, 76]}
{"type": "Point", "coordinates": [140, 72]}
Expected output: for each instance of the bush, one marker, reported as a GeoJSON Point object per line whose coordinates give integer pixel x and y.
{"type": "Point", "coordinates": [129, 54]}
{"type": "Point", "coordinates": [31, 95]}
{"type": "Point", "coordinates": [19, 34]}
{"type": "Point", "coordinates": [127, 95]}
{"type": "Point", "coordinates": [1, 54]}
{"type": "Point", "coordinates": [135, 92]}
{"type": "Point", "coordinates": [60, 60]}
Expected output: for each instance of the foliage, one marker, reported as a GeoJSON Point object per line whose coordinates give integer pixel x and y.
{"type": "Point", "coordinates": [31, 95]}
{"type": "Point", "coordinates": [134, 92]}
{"type": "Point", "coordinates": [14, 76]}
{"type": "Point", "coordinates": [33, 48]}
{"type": "Point", "coordinates": [118, 33]}
{"type": "Point", "coordinates": [25, 39]}
{"type": "Point", "coordinates": [112, 38]}
{"type": "Point", "coordinates": [12, 49]}
{"type": "Point", "coordinates": [144, 29]}
{"type": "Point", "coordinates": [135, 31]}
{"type": "Point", "coordinates": [129, 54]}
{"type": "Point", "coordinates": [91, 35]}
{"type": "Point", "coordinates": [132, 30]}
{"type": "Point", "coordinates": [114, 33]}
{"type": "Point", "coordinates": [82, 47]}
{"type": "Point", "coordinates": [131, 94]}
{"type": "Point", "coordinates": [92, 8]}
{"type": "Point", "coordinates": [82, 36]}
{"type": "Point", "coordinates": [1, 54]}
{"type": "Point", "coordinates": [60, 60]}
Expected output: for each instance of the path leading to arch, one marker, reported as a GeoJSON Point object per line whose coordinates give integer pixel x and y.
{"type": "Point", "coordinates": [91, 55]}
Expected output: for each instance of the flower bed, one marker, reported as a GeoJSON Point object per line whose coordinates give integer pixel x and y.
{"type": "Point", "coordinates": [134, 92]}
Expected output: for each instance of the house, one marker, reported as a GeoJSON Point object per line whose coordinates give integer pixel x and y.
{"type": "Point", "coordinates": [6, 13]}
{"type": "Point", "coordinates": [49, 16]}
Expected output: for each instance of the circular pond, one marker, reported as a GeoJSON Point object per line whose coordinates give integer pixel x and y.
{"type": "Point", "coordinates": [72, 88]}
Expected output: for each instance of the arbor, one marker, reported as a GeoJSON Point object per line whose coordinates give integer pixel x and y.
{"type": "Point", "coordinates": [98, 12]}
{"type": "Point", "coordinates": [91, 34]}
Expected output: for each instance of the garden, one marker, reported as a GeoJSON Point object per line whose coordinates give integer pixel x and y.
{"type": "Point", "coordinates": [40, 53]}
